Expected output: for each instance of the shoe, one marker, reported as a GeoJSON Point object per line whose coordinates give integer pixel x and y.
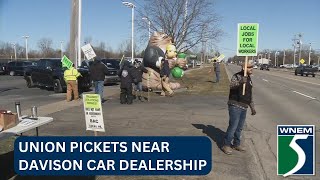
{"type": "Point", "coordinates": [239, 148]}
{"type": "Point", "coordinates": [227, 149]}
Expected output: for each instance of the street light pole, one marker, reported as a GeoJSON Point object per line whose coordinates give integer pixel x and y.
{"type": "Point", "coordinates": [132, 6]}
{"type": "Point", "coordinates": [26, 37]}
{"type": "Point", "coordinates": [149, 25]}
{"type": "Point", "coordinates": [309, 53]}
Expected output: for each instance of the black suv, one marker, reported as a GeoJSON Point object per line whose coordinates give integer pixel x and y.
{"type": "Point", "coordinates": [18, 67]}
{"type": "Point", "coordinates": [48, 73]}
{"type": "Point", "coordinates": [264, 67]}
{"type": "Point", "coordinates": [306, 69]}
{"type": "Point", "coordinates": [113, 66]}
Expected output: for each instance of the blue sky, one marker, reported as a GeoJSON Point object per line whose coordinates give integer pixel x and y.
{"type": "Point", "coordinates": [109, 21]}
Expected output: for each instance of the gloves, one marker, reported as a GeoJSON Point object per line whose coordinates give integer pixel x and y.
{"type": "Point", "coordinates": [253, 112]}
{"type": "Point", "coordinates": [244, 80]}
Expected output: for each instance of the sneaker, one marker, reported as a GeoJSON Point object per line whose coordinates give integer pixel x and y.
{"type": "Point", "coordinates": [239, 148]}
{"type": "Point", "coordinates": [227, 149]}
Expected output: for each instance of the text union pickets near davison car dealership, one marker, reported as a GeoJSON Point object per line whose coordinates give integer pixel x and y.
{"type": "Point", "coordinates": [48, 73]}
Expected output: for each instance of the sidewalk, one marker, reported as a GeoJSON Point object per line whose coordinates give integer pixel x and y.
{"type": "Point", "coordinates": [181, 115]}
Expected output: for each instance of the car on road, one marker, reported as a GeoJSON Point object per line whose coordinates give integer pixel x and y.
{"type": "Point", "coordinates": [255, 67]}
{"type": "Point", "coordinates": [306, 69]}
{"type": "Point", "coordinates": [48, 73]}
{"type": "Point", "coordinates": [113, 66]}
{"type": "Point", "coordinates": [18, 67]}
{"type": "Point", "coordinates": [264, 67]}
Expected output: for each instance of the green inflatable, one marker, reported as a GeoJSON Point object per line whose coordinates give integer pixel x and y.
{"type": "Point", "coordinates": [177, 72]}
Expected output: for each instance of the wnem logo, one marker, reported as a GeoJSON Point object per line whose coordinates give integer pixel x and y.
{"type": "Point", "coordinates": [296, 150]}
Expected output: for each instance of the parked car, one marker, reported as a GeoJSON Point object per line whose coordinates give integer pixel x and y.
{"type": "Point", "coordinates": [3, 67]}
{"type": "Point", "coordinates": [306, 69]}
{"type": "Point", "coordinates": [48, 73]}
{"type": "Point", "coordinates": [255, 67]}
{"type": "Point", "coordinates": [264, 67]}
{"type": "Point", "coordinates": [18, 67]}
{"type": "Point", "coordinates": [113, 66]}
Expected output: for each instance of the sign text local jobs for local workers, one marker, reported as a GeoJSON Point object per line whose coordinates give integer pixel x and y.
{"type": "Point", "coordinates": [247, 39]}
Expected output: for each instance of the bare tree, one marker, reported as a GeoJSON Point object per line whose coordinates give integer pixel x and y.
{"type": "Point", "coordinates": [125, 48]}
{"type": "Point", "coordinates": [188, 29]}
{"type": "Point", "coordinates": [44, 44]}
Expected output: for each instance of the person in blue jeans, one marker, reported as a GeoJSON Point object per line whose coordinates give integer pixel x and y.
{"type": "Point", "coordinates": [237, 106]}
{"type": "Point", "coordinates": [216, 69]}
{"type": "Point", "coordinates": [216, 66]}
{"type": "Point", "coordinates": [98, 70]}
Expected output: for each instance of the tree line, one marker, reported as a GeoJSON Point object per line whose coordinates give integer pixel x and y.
{"type": "Point", "coordinates": [288, 54]}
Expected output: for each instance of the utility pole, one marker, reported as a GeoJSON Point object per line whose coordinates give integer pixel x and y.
{"type": "Point", "coordinates": [284, 56]}
{"type": "Point", "coordinates": [294, 50]}
{"type": "Point", "coordinates": [309, 53]}
{"type": "Point", "coordinates": [300, 45]}
{"type": "Point", "coordinates": [79, 34]}
{"type": "Point", "coordinates": [26, 37]}
{"type": "Point", "coordinates": [74, 32]}
{"type": "Point", "coordinates": [61, 48]}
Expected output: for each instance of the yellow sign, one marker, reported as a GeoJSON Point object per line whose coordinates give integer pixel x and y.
{"type": "Point", "coordinates": [92, 101]}
{"type": "Point", "coordinates": [302, 61]}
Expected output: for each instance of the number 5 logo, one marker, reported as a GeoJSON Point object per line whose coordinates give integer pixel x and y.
{"type": "Point", "coordinates": [299, 151]}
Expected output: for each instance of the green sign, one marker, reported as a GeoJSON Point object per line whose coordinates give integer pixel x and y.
{"type": "Point", "coordinates": [92, 101]}
{"type": "Point", "coordinates": [247, 39]}
{"type": "Point", "coordinates": [66, 62]}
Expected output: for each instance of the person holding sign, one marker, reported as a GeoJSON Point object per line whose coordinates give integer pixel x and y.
{"type": "Point", "coordinates": [216, 68]}
{"type": "Point", "coordinates": [237, 105]}
{"type": "Point", "coordinates": [70, 76]}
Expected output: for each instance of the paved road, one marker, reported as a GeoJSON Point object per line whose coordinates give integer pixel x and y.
{"type": "Point", "coordinates": [13, 89]}
{"type": "Point", "coordinates": [281, 99]}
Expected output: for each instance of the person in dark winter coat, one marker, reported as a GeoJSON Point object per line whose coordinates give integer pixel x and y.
{"type": "Point", "coordinates": [237, 105]}
{"type": "Point", "coordinates": [127, 78]}
{"type": "Point", "coordinates": [138, 70]}
{"type": "Point", "coordinates": [98, 70]}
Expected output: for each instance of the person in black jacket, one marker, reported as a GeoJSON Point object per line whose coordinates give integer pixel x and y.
{"type": "Point", "coordinates": [127, 78]}
{"type": "Point", "coordinates": [138, 70]}
{"type": "Point", "coordinates": [237, 105]}
{"type": "Point", "coordinates": [98, 70]}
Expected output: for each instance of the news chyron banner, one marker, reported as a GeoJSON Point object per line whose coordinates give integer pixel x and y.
{"type": "Point", "coordinates": [97, 155]}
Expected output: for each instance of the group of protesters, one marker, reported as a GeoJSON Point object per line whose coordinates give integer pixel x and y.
{"type": "Point", "coordinates": [130, 80]}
